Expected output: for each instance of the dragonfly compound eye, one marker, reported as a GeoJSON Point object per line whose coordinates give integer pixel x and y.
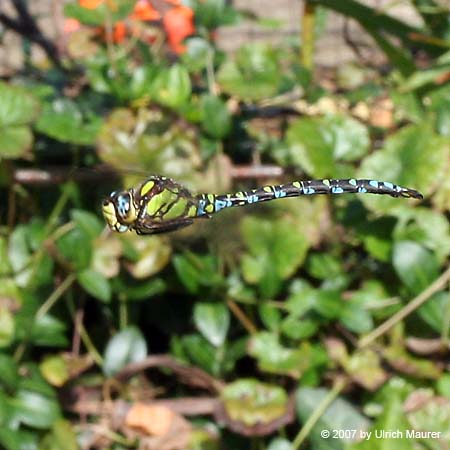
{"type": "Point", "coordinates": [126, 211]}
{"type": "Point", "coordinates": [123, 205]}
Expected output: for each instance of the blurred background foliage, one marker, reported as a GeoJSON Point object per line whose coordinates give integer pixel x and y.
{"type": "Point", "coordinates": [267, 324]}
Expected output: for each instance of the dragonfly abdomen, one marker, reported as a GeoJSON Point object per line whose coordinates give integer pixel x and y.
{"type": "Point", "coordinates": [210, 203]}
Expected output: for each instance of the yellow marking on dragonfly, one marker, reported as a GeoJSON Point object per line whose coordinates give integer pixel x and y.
{"type": "Point", "coordinates": [211, 197]}
{"type": "Point", "coordinates": [147, 187]}
{"type": "Point", "coordinates": [192, 211]}
{"type": "Point", "coordinates": [176, 210]}
{"type": "Point", "coordinates": [209, 208]}
{"type": "Point", "coordinates": [267, 189]}
{"type": "Point", "coordinates": [326, 182]}
{"type": "Point", "coordinates": [296, 184]}
{"type": "Point", "coordinates": [155, 203]}
{"type": "Point", "coordinates": [110, 214]}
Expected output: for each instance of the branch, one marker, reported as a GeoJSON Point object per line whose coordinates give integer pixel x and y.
{"type": "Point", "coordinates": [26, 26]}
{"type": "Point", "coordinates": [57, 175]}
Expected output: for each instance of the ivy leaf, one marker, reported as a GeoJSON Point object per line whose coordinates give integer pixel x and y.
{"type": "Point", "coordinates": [212, 320]}
{"type": "Point", "coordinates": [316, 144]}
{"type": "Point", "coordinates": [216, 119]}
{"type": "Point", "coordinates": [127, 346]}
{"type": "Point", "coordinates": [416, 266]}
{"type": "Point", "coordinates": [172, 87]}
{"type": "Point", "coordinates": [95, 283]}
{"type": "Point", "coordinates": [414, 157]}
{"type": "Point", "coordinates": [18, 109]}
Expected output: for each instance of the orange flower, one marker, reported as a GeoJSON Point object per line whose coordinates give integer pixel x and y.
{"type": "Point", "coordinates": [179, 24]}
{"type": "Point", "coordinates": [119, 32]}
{"type": "Point", "coordinates": [90, 4]}
{"type": "Point", "coordinates": [143, 10]}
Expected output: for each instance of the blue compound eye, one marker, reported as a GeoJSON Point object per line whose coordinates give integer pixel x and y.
{"type": "Point", "coordinates": [123, 204]}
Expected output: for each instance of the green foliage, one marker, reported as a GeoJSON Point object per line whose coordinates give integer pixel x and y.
{"type": "Point", "coordinates": [263, 307]}
{"type": "Point", "coordinates": [126, 346]}
{"type": "Point", "coordinates": [18, 109]}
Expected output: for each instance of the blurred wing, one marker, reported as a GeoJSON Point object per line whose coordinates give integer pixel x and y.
{"type": "Point", "coordinates": [149, 226]}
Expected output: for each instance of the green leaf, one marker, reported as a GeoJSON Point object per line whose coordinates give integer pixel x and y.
{"type": "Point", "coordinates": [310, 148]}
{"type": "Point", "coordinates": [323, 266]}
{"type": "Point", "coordinates": [95, 283]}
{"type": "Point", "coordinates": [15, 141]}
{"type": "Point", "coordinates": [87, 221]}
{"type": "Point", "coordinates": [35, 409]}
{"type": "Point", "coordinates": [443, 385]}
{"type": "Point", "coordinates": [212, 320]}
{"type": "Point", "coordinates": [327, 303]}
{"type": "Point", "coordinates": [392, 418]}
{"type": "Point", "coordinates": [399, 358]}
{"type": "Point", "coordinates": [355, 318]}
{"type": "Point", "coordinates": [49, 331]}
{"type": "Point", "coordinates": [253, 75]}
{"type": "Point", "coordinates": [86, 16]}
{"type": "Point", "coordinates": [61, 437]}
{"type": "Point", "coordinates": [275, 253]}
{"type": "Point", "coordinates": [416, 266]}
{"type": "Point", "coordinates": [213, 13]}
{"type": "Point", "coordinates": [139, 291]}
{"type": "Point", "coordinates": [152, 255]}
{"type": "Point", "coordinates": [127, 346]}
{"type": "Point", "coordinates": [427, 227]}
{"type": "Point", "coordinates": [413, 157]}
{"type": "Point", "coordinates": [364, 366]}
{"type": "Point", "coordinates": [100, 15]}
{"type": "Point", "coordinates": [198, 51]}
{"type": "Point", "coordinates": [76, 247]}
{"type": "Point", "coordinates": [216, 118]}
{"type": "Point", "coordinates": [7, 327]}
{"type": "Point", "coordinates": [431, 414]}
{"type": "Point", "coordinates": [270, 316]}
{"type": "Point", "coordinates": [340, 415]}
{"type": "Point", "coordinates": [13, 439]}
{"type": "Point", "coordinates": [172, 87]}
{"type": "Point", "coordinates": [141, 78]}
{"type": "Point", "coordinates": [8, 373]}
{"type": "Point", "coordinates": [152, 141]}
{"type": "Point", "coordinates": [301, 298]}
{"type": "Point", "coordinates": [275, 358]}
{"type": "Point", "coordinates": [201, 352]}
{"type": "Point", "coordinates": [279, 443]}
{"type": "Point", "coordinates": [54, 369]}
{"type": "Point", "coordinates": [18, 109]}
{"type": "Point", "coordinates": [436, 310]}
{"type": "Point", "coordinates": [295, 328]}
{"type": "Point", "coordinates": [349, 137]}
{"type": "Point", "coordinates": [195, 270]}
{"type": "Point", "coordinates": [317, 143]}
{"type": "Point", "coordinates": [62, 120]}
{"type": "Point", "coordinates": [251, 402]}
{"type": "Point", "coordinates": [107, 249]}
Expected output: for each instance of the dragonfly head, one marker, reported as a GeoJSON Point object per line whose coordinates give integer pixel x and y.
{"type": "Point", "coordinates": [119, 210]}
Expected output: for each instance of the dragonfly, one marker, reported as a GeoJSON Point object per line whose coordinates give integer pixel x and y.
{"type": "Point", "coordinates": [160, 204]}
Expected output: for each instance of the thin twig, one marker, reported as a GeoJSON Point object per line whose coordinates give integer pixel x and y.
{"type": "Point", "coordinates": [317, 413]}
{"type": "Point", "coordinates": [241, 316]}
{"type": "Point", "coordinates": [55, 295]}
{"type": "Point", "coordinates": [434, 287]}
{"type": "Point", "coordinates": [191, 375]}
{"type": "Point", "coordinates": [26, 26]}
